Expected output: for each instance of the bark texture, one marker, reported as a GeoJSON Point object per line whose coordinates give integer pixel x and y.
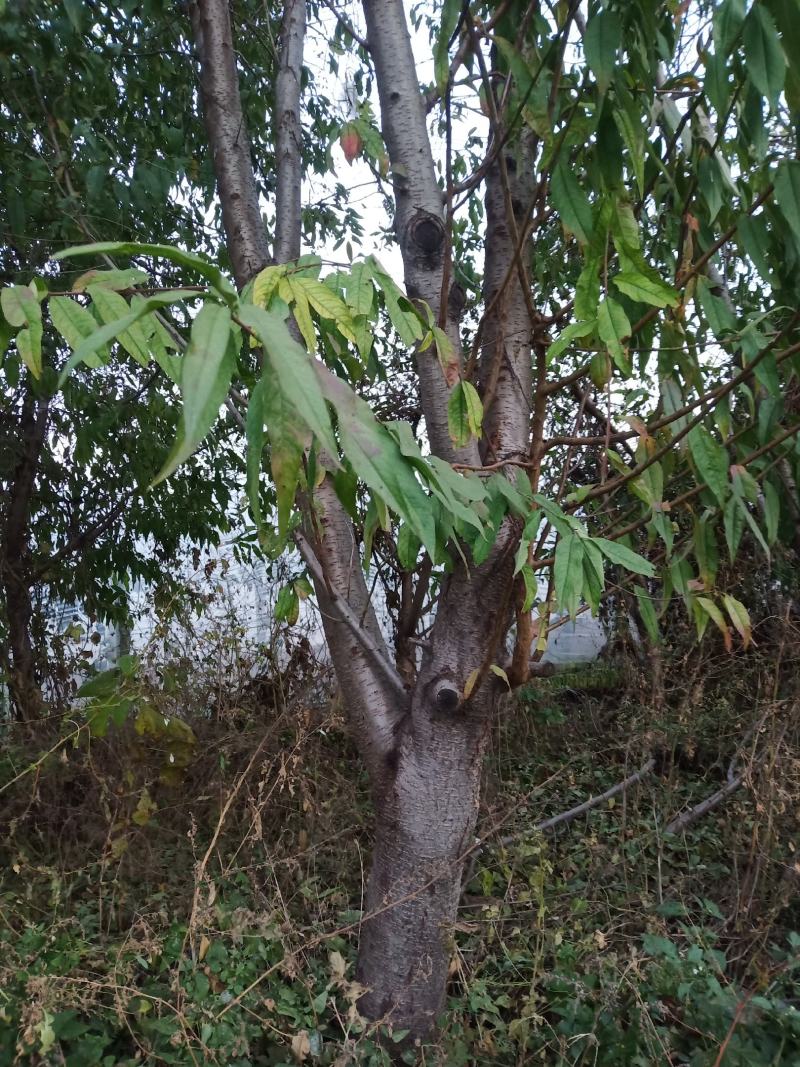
{"type": "Point", "coordinates": [15, 563]}
{"type": "Point", "coordinates": [288, 133]}
{"type": "Point", "coordinates": [227, 132]}
{"type": "Point", "coordinates": [419, 219]}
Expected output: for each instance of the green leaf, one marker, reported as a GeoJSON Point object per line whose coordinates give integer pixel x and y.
{"type": "Point", "coordinates": [111, 279]}
{"type": "Point", "coordinates": [740, 618]}
{"type": "Point", "coordinates": [567, 336]}
{"type": "Point", "coordinates": [202, 266]}
{"type": "Point", "coordinates": [772, 511]}
{"type": "Point", "coordinates": [754, 237]}
{"type": "Point", "coordinates": [587, 290]}
{"type": "Point", "coordinates": [646, 289]}
{"type": "Point", "coordinates": [571, 203]}
{"type": "Point", "coordinates": [613, 326]}
{"type": "Point", "coordinates": [294, 374]}
{"type": "Point", "coordinates": [711, 461]}
{"type": "Point", "coordinates": [787, 193]}
{"type": "Point", "coordinates": [531, 586]}
{"type": "Point", "coordinates": [112, 307]}
{"type": "Point", "coordinates": [376, 457]}
{"type": "Point", "coordinates": [451, 10]}
{"type": "Point", "coordinates": [624, 557]}
{"type": "Point", "coordinates": [360, 290]}
{"type": "Point", "coordinates": [20, 306]}
{"type": "Point", "coordinates": [647, 613]}
{"type": "Point", "coordinates": [713, 612]}
{"type": "Point", "coordinates": [408, 545]}
{"type": "Point", "coordinates": [568, 573]}
{"type": "Point", "coordinates": [464, 414]}
{"type": "Point", "coordinates": [75, 323]}
{"type": "Point", "coordinates": [206, 374]}
{"type": "Point", "coordinates": [733, 520]}
{"type": "Point", "coordinates": [326, 303]}
{"type": "Point", "coordinates": [406, 322]}
{"type": "Point", "coordinates": [764, 57]}
{"type": "Point", "coordinates": [705, 551]}
{"type": "Point", "coordinates": [600, 44]}
{"type": "Point", "coordinates": [111, 330]}
{"type": "Point", "coordinates": [287, 605]}
{"type": "Point", "coordinates": [728, 19]}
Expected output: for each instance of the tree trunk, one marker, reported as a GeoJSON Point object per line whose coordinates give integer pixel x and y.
{"type": "Point", "coordinates": [425, 825]}
{"type": "Point", "coordinates": [15, 567]}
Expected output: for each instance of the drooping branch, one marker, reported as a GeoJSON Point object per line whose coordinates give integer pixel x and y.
{"type": "Point", "coordinates": [227, 133]}
{"type": "Point", "coordinates": [419, 209]}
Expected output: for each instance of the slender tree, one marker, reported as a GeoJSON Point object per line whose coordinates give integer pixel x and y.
{"type": "Point", "coordinates": [562, 274]}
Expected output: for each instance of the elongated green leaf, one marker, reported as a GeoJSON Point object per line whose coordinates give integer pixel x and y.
{"type": "Point", "coordinates": [206, 374]}
{"type": "Point", "coordinates": [111, 279]}
{"type": "Point", "coordinates": [75, 323]}
{"type": "Point", "coordinates": [787, 193]}
{"type": "Point", "coordinates": [101, 337]}
{"type": "Point", "coordinates": [29, 346]}
{"type": "Point", "coordinates": [451, 10]}
{"type": "Point", "coordinates": [624, 557]}
{"type": "Point", "coordinates": [567, 336]}
{"type": "Point", "coordinates": [600, 43]}
{"type": "Point", "coordinates": [406, 322]}
{"type": "Point", "coordinates": [287, 443]}
{"type": "Point", "coordinates": [587, 290]}
{"type": "Point", "coordinates": [728, 19]}
{"type": "Point", "coordinates": [204, 268]}
{"type": "Point", "coordinates": [713, 612]}
{"type": "Point", "coordinates": [740, 618]}
{"type": "Point", "coordinates": [571, 203]}
{"type": "Point", "coordinates": [734, 520]}
{"type": "Point", "coordinates": [647, 613]}
{"type": "Point", "coordinates": [19, 305]}
{"type": "Point", "coordinates": [772, 511]}
{"type": "Point", "coordinates": [360, 290]}
{"type": "Point", "coordinates": [265, 284]}
{"type": "Point", "coordinates": [256, 438]}
{"type": "Point", "coordinates": [294, 374]}
{"type": "Point", "coordinates": [408, 545]}
{"type": "Point", "coordinates": [711, 460]}
{"type": "Point", "coordinates": [568, 573]}
{"type": "Point", "coordinates": [112, 307]}
{"type": "Point", "coordinates": [613, 326]}
{"type": "Point", "coordinates": [705, 551]}
{"type": "Point", "coordinates": [464, 414]}
{"type": "Point", "coordinates": [766, 63]}
{"type": "Point", "coordinates": [646, 289]}
{"type": "Point", "coordinates": [376, 458]}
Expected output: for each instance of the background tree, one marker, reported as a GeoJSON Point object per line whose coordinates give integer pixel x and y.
{"type": "Point", "coordinates": [639, 228]}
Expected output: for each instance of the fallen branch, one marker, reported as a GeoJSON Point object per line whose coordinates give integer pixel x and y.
{"type": "Point", "coordinates": [681, 822]}
{"type": "Point", "coordinates": [566, 817]}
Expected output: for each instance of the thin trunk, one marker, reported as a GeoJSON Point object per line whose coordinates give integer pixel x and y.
{"type": "Point", "coordinates": [15, 563]}
{"type": "Point", "coordinates": [230, 146]}
{"type": "Point", "coordinates": [288, 134]}
{"type": "Point", "coordinates": [427, 811]}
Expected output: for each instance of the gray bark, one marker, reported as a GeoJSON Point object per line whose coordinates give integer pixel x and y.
{"type": "Point", "coordinates": [506, 367]}
{"type": "Point", "coordinates": [15, 563]}
{"type": "Point", "coordinates": [288, 134]}
{"type": "Point", "coordinates": [429, 805]}
{"type": "Point", "coordinates": [419, 220]}
{"type": "Point", "coordinates": [227, 132]}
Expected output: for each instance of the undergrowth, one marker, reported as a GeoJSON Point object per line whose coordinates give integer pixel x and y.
{"type": "Point", "coordinates": [184, 886]}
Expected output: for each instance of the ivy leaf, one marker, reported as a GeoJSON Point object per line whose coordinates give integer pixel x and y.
{"type": "Point", "coordinates": [208, 366]}
{"type": "Point", "coordinates": [464, 414]}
